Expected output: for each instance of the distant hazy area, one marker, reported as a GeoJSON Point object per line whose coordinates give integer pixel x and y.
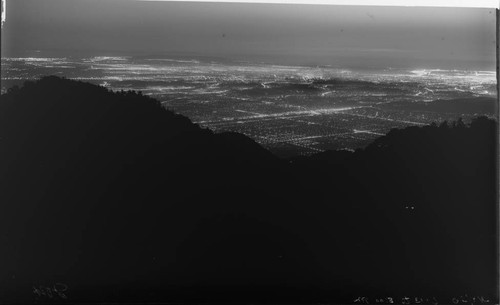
{"type": "Point", "coordinates": [342, 36]}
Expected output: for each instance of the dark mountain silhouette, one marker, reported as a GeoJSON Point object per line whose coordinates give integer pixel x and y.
{"type": "Point", "coordinates": [110, 197]}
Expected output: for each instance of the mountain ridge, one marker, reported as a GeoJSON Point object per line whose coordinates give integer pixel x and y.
{"type": "Point", "coordinates": [114, 192]}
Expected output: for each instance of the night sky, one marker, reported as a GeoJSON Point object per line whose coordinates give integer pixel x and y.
{"type": "Point", "coordinates": [287, 34]}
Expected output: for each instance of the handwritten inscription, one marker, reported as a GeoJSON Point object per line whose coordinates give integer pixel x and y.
{"type": "Point", "coordinates": [57, 291]}
{"type": "Point", "coordinates": [463, 299]}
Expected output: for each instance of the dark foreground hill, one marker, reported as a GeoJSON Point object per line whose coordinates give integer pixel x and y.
{"type": "Point", "coordinates": [109, 197]}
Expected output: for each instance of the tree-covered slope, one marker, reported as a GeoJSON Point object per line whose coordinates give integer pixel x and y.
{"type": "Point", "coordinates": [119, 199]}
